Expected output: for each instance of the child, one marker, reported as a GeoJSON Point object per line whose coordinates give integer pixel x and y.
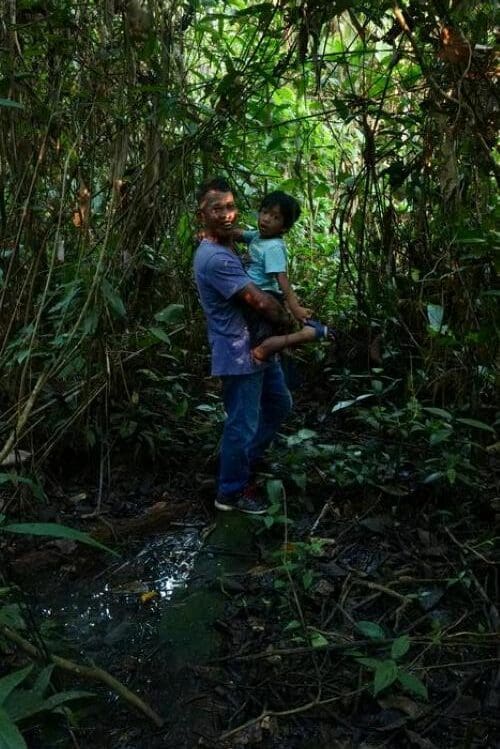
{"type": "Point", "coordinates": [268, 270]}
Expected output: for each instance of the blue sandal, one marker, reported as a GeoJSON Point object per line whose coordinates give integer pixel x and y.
{"type": "Point", "coordinates": [321, 330]}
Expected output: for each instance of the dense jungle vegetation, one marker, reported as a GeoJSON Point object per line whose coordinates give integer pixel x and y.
{"type": "Point", "coordinates": [381, 119]}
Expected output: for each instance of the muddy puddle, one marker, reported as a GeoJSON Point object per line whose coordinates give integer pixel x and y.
{"type": "Point", "coordinates": [121, 607]}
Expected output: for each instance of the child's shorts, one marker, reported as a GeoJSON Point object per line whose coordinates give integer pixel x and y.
{"type": "Point", "coordinates": [260, 327]}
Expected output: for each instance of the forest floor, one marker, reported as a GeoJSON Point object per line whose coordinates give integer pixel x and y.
{"type": "Point", "coordinates": [347, 618]}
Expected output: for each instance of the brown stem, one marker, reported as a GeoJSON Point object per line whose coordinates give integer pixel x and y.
{"type": "Point", "coordinates": [88, 672]}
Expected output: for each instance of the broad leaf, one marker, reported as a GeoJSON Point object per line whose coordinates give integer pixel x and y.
{"type": "Point", "coordinates": [43, 680]}
{"type": "Point", "coordinates": [10, 614]}
{"type": "Point", "coordinates": [438, 412]}
{"type": "Point", "coordinates": [54, 530]}
{"type": "Point", "coordinates": [11, 681]}
{"type": "Point", "coordinates": [23, 703]}
{"type": "Point", "coordinates": [275, 491]}
{"type": "Point", "coordinates": [172, 314]}
{"type": "Point", "coordinates": [318, 640]}
{"type": "Point", "coordinates": [413, 684]}
{"type": "Point", "coordinates": [113, 299]}
{"type": "Point", "coordinates": [476, 424]}
{"type": "Point", "coordinates": [400, 647]}
{"type": "Point", "coordinates": [345, 404]}
{"type": "Point", "coordinates": [160, 334]}
{"type": "Point", "coordinates": [371, 629]}
{"type": "Point", "coordinates": [10, 737]}
{"type": "Point", "coordinates": [11, 104]}
{"type": "Point", "coordinates": [435, 315]}
{"type": "Point", "coordinates": [385, 675]}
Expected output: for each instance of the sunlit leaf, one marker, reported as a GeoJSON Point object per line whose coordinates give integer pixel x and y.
{"type": "Point", "coordinates": [435, 315]}
{"type": "Point", "coordinates": [318, 640]}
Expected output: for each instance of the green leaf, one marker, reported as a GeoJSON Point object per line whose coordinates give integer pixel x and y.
{"type": "Point", "coordinates": [294, 624]}
{"type": "Point", "coordinates": [10, 737]}
{"type": "Point", "coordinates": [43, 680]}
{"type": "Point", "coordinates": [160, 334]}
{"type": "Point", "coordinates": [371, 663]}
{"type": "Point", "coordinates": [54, 530]}
{"type": "Point", "coordinates": [303, 435]}
{"type": "Point", "coordinates": [400, 647]}
{"type": "Point", "coordinates": [318, 640]}
{"type": "Point", "coordinates": [275, 491]}
{"type": "Point", "coordinates": [435, 315]}
{"type": "Point", "coordinates": [61, 697]}
{"type": "Point", "coordinates": [432, 477]}
{"type": "Point", "coordinates": [413, 684]}
{"type": "Point", "coordinates": [345, 404]}
{"type": "Point", "coordinates": [11, 103]}
{"type": "Point", "coordinates": [114, 301]}
{"type": "Point", "coordinates": [476, 424]}
{"type": "Point", "coordinates": [10, 614]}
{"type": "Point", "coordinates": [440, 436]}
{"type": "Point", "coordinates": [10, 682]}
{"type": "Point", "coordinates": [385, 675]}
{"type": "Point", "coordinates": [173, 314]}
{"type": "Point", "coordinates": [371, 629]}
{"type": "Point", "coordinates": [307, 579]}
{"type": "Point", "coordinates": [438, 412]}
{"type": "Point", "coordinates": [23, 703]}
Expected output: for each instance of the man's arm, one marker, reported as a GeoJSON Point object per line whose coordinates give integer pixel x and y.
{"type": "Point", "coordinates": [264, 304]}
{"type": "Point", "coordinates": [298, 311]}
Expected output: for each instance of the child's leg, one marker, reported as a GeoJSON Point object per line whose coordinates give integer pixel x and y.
{"type": "Point", "coordinates": [311, 331]}
{"type": "Point", "coordinates": [279, 342]}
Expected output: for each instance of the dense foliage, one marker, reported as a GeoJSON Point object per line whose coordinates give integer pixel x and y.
{"type": "Point", "coordinates": [381, 121]}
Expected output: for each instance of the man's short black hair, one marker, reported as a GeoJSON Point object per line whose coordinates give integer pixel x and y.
{"type": "Point", "coordinates": [219, 184]}
{"type": "Point", "coordinates": [289, 207]}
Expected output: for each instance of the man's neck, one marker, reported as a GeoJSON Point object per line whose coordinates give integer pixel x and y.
{"type": "Point", "coordinates": [225, 242]}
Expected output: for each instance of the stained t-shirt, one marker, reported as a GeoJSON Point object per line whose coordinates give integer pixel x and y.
{"type": "Point", "coordinates": [267, 257]}
{"type": "Point", "coordinates": [219, 275]}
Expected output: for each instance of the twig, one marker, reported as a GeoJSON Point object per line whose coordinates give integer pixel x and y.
{"type": "Point", "coordinates": [283, 713]}
{"type": "Point", "coordinates": [382, 589]}
{"type": "Point", "coordinates": [89, 672]}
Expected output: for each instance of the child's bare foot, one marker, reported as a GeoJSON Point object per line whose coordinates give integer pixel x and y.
{"type": "Point", "coordinates": [276, 343]}
{"type": "Point", "coordinates": [268, 347]}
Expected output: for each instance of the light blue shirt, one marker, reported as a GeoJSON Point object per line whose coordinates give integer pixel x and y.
{"type": "Point", "coordinates": [219, 275]}
{"type": "Point", "coordinates": [267, 257]}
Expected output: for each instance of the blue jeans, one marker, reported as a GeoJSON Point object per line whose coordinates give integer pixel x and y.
{"type": "Point", "coordinates": [256, 405]}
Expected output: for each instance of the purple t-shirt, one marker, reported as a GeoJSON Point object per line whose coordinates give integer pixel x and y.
{"type": "Point", "coordinates": [219, 275]}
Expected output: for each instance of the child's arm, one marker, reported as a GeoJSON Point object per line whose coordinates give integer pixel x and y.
{"type": "Point", "coordinates": [298, 311]}
{"type": "Point", "coordinates": [237, 235]}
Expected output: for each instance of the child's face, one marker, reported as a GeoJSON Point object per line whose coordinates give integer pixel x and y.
{"type": "Point", "coordinates": [271, 222]}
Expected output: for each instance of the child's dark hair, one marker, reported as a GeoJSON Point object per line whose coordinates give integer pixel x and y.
{"type": "Point", "coordinates": [218, 184]}
{"type": "Point", "coordinates": [289, 207]}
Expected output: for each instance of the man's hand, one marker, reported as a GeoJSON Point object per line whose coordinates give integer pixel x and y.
{"type": "Point", "coordinates": [264, 304]}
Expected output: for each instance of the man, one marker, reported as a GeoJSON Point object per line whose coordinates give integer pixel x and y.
{"type": "Point", "coordinates": [256, 398]}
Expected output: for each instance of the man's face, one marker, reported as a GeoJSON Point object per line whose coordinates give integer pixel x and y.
{"type": "Point", "coordinates": [218, 213]}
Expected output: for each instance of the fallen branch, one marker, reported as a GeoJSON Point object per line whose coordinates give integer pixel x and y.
{"type": "Point", "coordinates": [89, 672]}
